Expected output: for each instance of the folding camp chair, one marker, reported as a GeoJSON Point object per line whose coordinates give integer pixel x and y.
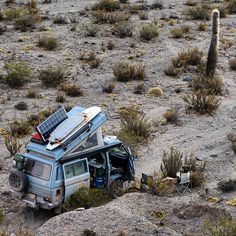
{"type": "Point", "coordinates": [184, 184]}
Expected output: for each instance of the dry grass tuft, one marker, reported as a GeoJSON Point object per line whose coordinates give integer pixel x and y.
{"type": "Point", "coordinates": [124, 71]}
{"type": "Point", "coordinates": [48, 43]}
{"type": "Point", "coordinates": [200, 12]}
{"type": "Point", "coordinates": [148, 32]}
{"type": "Point", "coordinates": [108, 87]}
{"type": "Point", "coordinates": [202, 103]}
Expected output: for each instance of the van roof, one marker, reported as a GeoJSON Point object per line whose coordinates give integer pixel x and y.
{"type": "Point", "coordinates": [60, 152]}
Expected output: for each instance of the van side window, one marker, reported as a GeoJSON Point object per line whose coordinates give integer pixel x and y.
{"type": "Point", "coordinates": [76, 169]}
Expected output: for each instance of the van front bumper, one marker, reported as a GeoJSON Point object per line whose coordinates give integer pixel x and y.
{"type": "Point", "coordinates": [34, 201]}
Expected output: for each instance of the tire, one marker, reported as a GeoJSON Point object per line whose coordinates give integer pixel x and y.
{"type": "Point", "coordinates": [116, 188]}
{"type": "Point", "coordinates": [18, 181]}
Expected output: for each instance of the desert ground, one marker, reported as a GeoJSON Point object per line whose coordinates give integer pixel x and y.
{"type": "Point", "coordinates": [204, 135]}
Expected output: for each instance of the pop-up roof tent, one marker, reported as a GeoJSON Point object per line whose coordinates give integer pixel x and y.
{"type": "Point", "coordinates": [90, 137]}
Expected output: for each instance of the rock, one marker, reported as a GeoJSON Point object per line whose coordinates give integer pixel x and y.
{"type": "Point", "coordinates": [187, 79]}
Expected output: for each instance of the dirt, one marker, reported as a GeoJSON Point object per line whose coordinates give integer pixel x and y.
{"type": "Point", "coordinates": [205, 136]}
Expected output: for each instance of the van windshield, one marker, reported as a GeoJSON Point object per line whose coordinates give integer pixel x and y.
{"type": "Point", "coordinates": [37, 169]}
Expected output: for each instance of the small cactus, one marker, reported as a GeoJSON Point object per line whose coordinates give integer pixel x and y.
{"type": "Point", "coordinates": [213, 50]}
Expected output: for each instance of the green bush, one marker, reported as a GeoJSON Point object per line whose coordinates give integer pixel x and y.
{"type": "Point", "coordinates": [171, 162]}
{"type": "Point", "coordinates": [17, 74]}
{"type": "Point", "coordinates": [72, 90]}
{"type": "Point", "coordinates": [200, 12]}
{"type": "Point", "coordinates": [1, 216]}
{"type": "Point", "coordinates": [48, 43]}
{"type": "Point", "coordinates": [124, 71]}
{"type": "Point", "coordinates": [20, 127]}
{"type": "Point", "coordinates": [52, 76]}
{"type": "Point", "coordinates": [202, 103]}
{"type": "Point", "coordinates": [86, 197]}
{"type": "Point", "coordinates": [191, 57]}
{"type": "Point", "coordinates": [232, 63]}
{"type": "Point", "coordinates": [220, 227]}
{"type": "Point", "coordinates": [135, 123]}
{"type": "Point", "coordinates": [207, 84]}
{"type": "Point", "coordinates": [123, 29]}
{"type": "Point", "coordinates": [21, 106]}
{"type": "Point", "coordinates": [106, 5]}
{"type": "Point", "coordinates": [172, 115]}
{"type": "Point", "coordinates": [149, 32]}
{"type": "Point", "coordinates": [227, 186]}
{"type": "Point", "coordinates": [26, 22]}
{"type": "Point", "coordinates": [110, 17]}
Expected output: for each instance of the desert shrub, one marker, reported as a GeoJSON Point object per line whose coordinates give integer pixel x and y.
{"type": "Point", "coordinates": [172, 115]}
{"type": "Point", "coordinates": [110, 17]}
{"type": "Point", "coordinates": [123, 29]}
{"type": "Point", "coordinates": [1, 216]}
{"type": "Point", "coordinates": [52, 76]}
{"type": "Point", "coordinates": [91, 30]}
{"type": "Point", "coordinates": [124, 71]}
{"type": "Point", "coordinates": [157, 4]}
{"type": "Point", "coordinates": [3, 29]}
{"type": "Point", "coordinates": [88, 232]}
{"type": "Point", "coordinates": [172, 71]}
{"type": "Point", "coordinates": [106, 5]}
{"type": "Point", "coordinates": [197, 176]}
{"type": "Point", "coordinates": [60, 20]}
{"type": "Point", "coordinates": [191, 57]}
{"type": "Point", "coordinates": [149, 32]}
{"type": "Point", "coordinates": [177, 33]}
{"type": "Point", "coordinates": [31, 94]}
{"type": "Point", "coordinates": [12, 145]}
{"type": "Point", "coordinates": [232, 63]}
{"type": "Point", "coordinates": [231, 6]}
{"type": "Point", "coordinates": [72, 90]}
{"type": "Point", "coordinates": [207, 84]}
{"type": "Point", "coordinates": [20, 127]}
{"type": "Point", "coordinates": [108, 87]}
{"type": "Point", "coordinates": [155, 91]}
{"type": "Point", "coordinates": [21, 106]}
{"type": "Point", "coordinates": [91, 58]}
{"type": "Point", "coordinates": [60, 98]}
{"type": "Point", "coordinates": [17, 74]}
{"type": "Point", "coordinates": [86, 197]}
{"type": "Point", "coordinates": [123, 1]}
{"type": "Point", "coordinates": [143, 15]}
{"type": "Point", "coordinates": [8, 2]}
{"type": "Point", "coordinates": [48, 43]}
{"type": "Point", "coordinates": [227, 185]}
{"type": "Point", "coordinates": [222, 226]}
{"type": "Point", "coordinates": [139, 88]}
{"type": "Point", "coordinates": [202, 103]}
{"type": "Point", "coordinates": [13, 13]}
{"type": "Point", "coordinates": [171, 162]}
{"type": "Point", "coordinates": [156, 187]}
{"type": "Point", "coordinates": [200, 12]}
{"type": "Point", "coordinates": [191, 3]}
{"type": "Point", "coordinates": [223, 11]}
{"type": "Point", "coordinates": [135, 8]}
{"type": "Point", "coordinates": [134, 122]}
{"type": "Point", "coordinates": [110, 45]}
{"type": "Point", "coordinates": [26, 22]}
{"type": "Point", "coordinates": [202, 26]}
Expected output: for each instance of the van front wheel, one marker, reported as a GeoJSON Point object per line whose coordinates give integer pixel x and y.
{"type": "Point", "coordinates": [116, 188]}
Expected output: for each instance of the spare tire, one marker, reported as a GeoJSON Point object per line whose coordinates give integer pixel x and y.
{"type": "Point", "coordinates": [18, 181]}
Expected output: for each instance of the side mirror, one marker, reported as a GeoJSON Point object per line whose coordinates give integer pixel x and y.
{"type": "Point", "coordinates": [18, 162]}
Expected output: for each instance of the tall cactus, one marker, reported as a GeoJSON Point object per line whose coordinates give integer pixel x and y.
{"type": "Point", "coordinates": [213, 50]}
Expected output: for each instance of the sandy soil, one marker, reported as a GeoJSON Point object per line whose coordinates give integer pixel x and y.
{"type": "Point", "coordinates": [206, 136]}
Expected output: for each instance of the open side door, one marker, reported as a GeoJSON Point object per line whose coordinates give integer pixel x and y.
{"type": "Point", "coordinates": [76, 175]}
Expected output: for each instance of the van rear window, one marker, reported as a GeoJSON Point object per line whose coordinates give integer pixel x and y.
{"type": "Point", "coordinates": [37, 169]}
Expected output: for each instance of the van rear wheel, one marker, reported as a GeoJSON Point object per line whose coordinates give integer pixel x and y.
{"type": "Point", "coordinates": [116, 188]}
{"type": "Point", "coordinates": [18, 181]}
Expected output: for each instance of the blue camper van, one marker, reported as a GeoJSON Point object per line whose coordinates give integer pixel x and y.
{"type": "Point", "coordinates": [47, 178]}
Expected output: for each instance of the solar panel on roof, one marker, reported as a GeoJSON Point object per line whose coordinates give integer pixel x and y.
{"type": "Point", "coordinates": [46, 128]}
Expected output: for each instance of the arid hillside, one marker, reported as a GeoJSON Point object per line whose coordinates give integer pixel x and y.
{"type": "Point", "coordinates": [138, 59]}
